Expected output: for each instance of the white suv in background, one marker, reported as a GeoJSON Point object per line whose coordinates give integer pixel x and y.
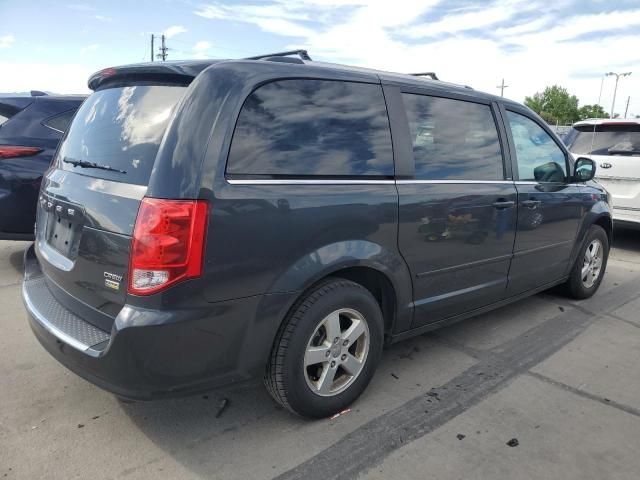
{"type": "Point", "coordinates": [614, 145]}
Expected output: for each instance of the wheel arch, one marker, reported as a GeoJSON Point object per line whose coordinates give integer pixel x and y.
{"type": "Point", "coordinates": [381, 271]}
{"type": "Point", "coordinates": [606, 222]}
{"type": "Point", "coordinates": [599, 217]}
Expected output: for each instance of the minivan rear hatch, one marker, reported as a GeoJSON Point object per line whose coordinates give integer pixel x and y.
{"type": "Point", "coordinates": [90, 198]}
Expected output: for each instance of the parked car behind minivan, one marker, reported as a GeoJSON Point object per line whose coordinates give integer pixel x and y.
{"type": "Point", "coordinates": [207, 222]}
{"type": "Point", "coordinates": [30, 129]}
{"type": "Point", "coordinates": [614, 144]}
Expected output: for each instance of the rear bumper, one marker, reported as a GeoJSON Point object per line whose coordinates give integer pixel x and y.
{"type": "Point", "coordinates": [151, 354]}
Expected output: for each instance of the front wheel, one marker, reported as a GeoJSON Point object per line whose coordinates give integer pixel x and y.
{"type": "Point", "coordinates": [590, 265]}
{"type": "Point", "coordinates": [327, 350]}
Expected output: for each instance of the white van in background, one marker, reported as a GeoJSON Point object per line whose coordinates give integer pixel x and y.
{"type": "Point", "coordinates": [614, 145]}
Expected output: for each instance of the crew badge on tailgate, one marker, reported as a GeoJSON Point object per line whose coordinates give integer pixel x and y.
{"type": "Point", "coordinates": [111, 280]}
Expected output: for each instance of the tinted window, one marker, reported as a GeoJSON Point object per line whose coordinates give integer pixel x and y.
{"type": "Point", "coordinates": [611, 139]}
{"type": "Point", "coordinates": [452, 139]}
{"type": "Point", "coordinates": [313, 127]}
{"type": "Point", "coordinates": [6, 112]}
{"type": "Point", "coordinates": [539, 157]}
{"type": "Point", "coordinates": [122, 128]}
{"type": "Point", "coordinates": [60, 122]}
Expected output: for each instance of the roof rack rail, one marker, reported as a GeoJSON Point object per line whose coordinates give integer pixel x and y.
{"type": "Point", "coordinates": [301, 53]}
{"type": "Point", "coordinates": [425, 74]}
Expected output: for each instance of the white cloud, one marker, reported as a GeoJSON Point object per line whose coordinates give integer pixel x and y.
{"type": "Point", "coordinates": [174, 30]}
{"type": "Point", "coordinates": [483, 16]}
{"type": "Point", "coordinates": [81, 7]}
{"type": "Point", "coordinates": [6, 41]}
{"type": "Point", "coordinates": [89, 48]}
{"type": "Point", "coordinates": [531, 43]}
{"type": "Point", "coordinates": [201, 48]}
{"type": "Point", "coordinates": [57, 78]}
{"type": "Point", "coordinates": [103, 18]}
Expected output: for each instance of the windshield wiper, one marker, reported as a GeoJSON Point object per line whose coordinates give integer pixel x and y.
{"type": "Point", "coordinates": [85, 164]}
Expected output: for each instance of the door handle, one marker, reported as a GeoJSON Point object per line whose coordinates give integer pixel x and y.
{"type": "Point", "coordinates": [532, 204]}
{"type": "Point", "coordinates": [500, 204]}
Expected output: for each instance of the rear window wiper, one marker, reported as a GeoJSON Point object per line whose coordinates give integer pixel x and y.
{"type": "Point", "coordinates": [616, 151]}
{"type": "Point", "coordinates": [85, 164]}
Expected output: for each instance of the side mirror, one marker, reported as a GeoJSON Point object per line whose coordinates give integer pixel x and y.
{"type": "Point", "coordinates": [585, 169]}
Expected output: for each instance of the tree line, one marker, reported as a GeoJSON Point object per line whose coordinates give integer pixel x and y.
{"type": "Point", "coordinates": [557, 107]}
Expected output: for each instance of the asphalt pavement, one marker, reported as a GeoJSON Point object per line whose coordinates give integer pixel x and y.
{"type": "Point", "coordinates": [546, 388]}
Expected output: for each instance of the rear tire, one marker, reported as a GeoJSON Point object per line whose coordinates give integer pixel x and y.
{"type": "Point", "coordinates": [588, 270]}
{"type": "Point", "coordinates": [327, 350]}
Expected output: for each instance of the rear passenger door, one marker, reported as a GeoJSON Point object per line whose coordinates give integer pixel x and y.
{"type": "Point", "coordinates": [457, 208]}
{"type": "Point", "coordinates": [549, 204]}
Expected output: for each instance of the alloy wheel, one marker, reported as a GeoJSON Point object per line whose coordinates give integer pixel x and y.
{"type": "Point", "coordinates": [592, 263]}
{"type": "Point", "coordinates": [336, 352]}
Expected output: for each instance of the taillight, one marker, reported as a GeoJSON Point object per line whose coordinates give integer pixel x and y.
{"type": "Point", "coordinates": [13, 151]}
{"type": "Point", "coordinates": [168, 244]}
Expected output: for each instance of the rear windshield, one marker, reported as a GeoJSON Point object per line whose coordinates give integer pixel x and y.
{"type": "Point", "coordinates": [120, 128]}
{"type": "Point", "coordinates": [621, 139]}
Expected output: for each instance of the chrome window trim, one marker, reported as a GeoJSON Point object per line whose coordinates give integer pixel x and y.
{"type": "Point", "coordinates": [51, 128]}
{"type": "Point", "coordinates": [487, 182]}
{"type": "Point", "coordinates": [295, 181]}
{"type": "Point", "coordinates": [300, 181]}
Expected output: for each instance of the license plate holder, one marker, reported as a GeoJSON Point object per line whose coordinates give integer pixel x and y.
{"type": "Point", "coordinates": [64, 227]}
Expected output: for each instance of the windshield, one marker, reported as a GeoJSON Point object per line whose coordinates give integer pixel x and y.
{"type": "Point", "coordinates": [120, 128]}
{"type": "Point", "coordinates": [620, 139]}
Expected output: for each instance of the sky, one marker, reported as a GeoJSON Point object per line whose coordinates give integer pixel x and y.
{"type": "Point", "coordinates": [55, 45]}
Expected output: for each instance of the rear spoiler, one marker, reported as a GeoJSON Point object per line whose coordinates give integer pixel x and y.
{"type": "Point", "coordinates": [179, 72]}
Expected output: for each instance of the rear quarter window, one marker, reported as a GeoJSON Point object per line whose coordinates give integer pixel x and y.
{"type": "Point", "coordinates": [6, 112]}
{"type": "Point", "coordinates": [312, 128]}
{"type": "Point", "coordinates": [59, 122]}
{"type": "Point", "coordinates": [120, 128]}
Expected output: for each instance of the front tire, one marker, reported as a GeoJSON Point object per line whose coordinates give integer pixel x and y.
{"type": "Point", "coordinates": [327, 350]}
{"type": "Point", "coordinates": [588, 270]}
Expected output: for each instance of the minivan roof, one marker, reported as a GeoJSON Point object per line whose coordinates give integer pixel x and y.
{"type": "Point", "coordinates": [187, 70]}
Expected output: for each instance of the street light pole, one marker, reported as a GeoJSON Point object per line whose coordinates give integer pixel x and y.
{"type": "Point", "coordinates": [601, 85]}
{"type": "Point", "coordinates": [615, 90]}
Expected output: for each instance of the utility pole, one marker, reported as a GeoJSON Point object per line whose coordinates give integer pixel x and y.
{"type": "Point", "coordinates": [615, 90]}
{"type": "Point", "coordinates": [163, 49]}
{"type": "Point", "coordinates": [152, 36]}
{"type": "Point", "coordinates": [626, 110]}
{"type": "Point", "coordinates": [502, 86]}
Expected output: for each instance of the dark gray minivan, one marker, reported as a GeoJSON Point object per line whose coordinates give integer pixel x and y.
{"type": "Point", "coordinates": [207, 222]}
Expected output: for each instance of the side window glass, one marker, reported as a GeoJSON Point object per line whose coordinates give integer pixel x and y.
{"type": "Point", "coordinates": [313, 127]}
{"type": "Point", "coordinates": [60, 122]}
{"type": "Point", "coordinates": [539, 158]}
{"type": "Point", "coordinates": [453, 139]}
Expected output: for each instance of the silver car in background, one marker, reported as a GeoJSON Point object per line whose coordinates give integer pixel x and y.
{"type": "Point", "coordinates": [614, 145]}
